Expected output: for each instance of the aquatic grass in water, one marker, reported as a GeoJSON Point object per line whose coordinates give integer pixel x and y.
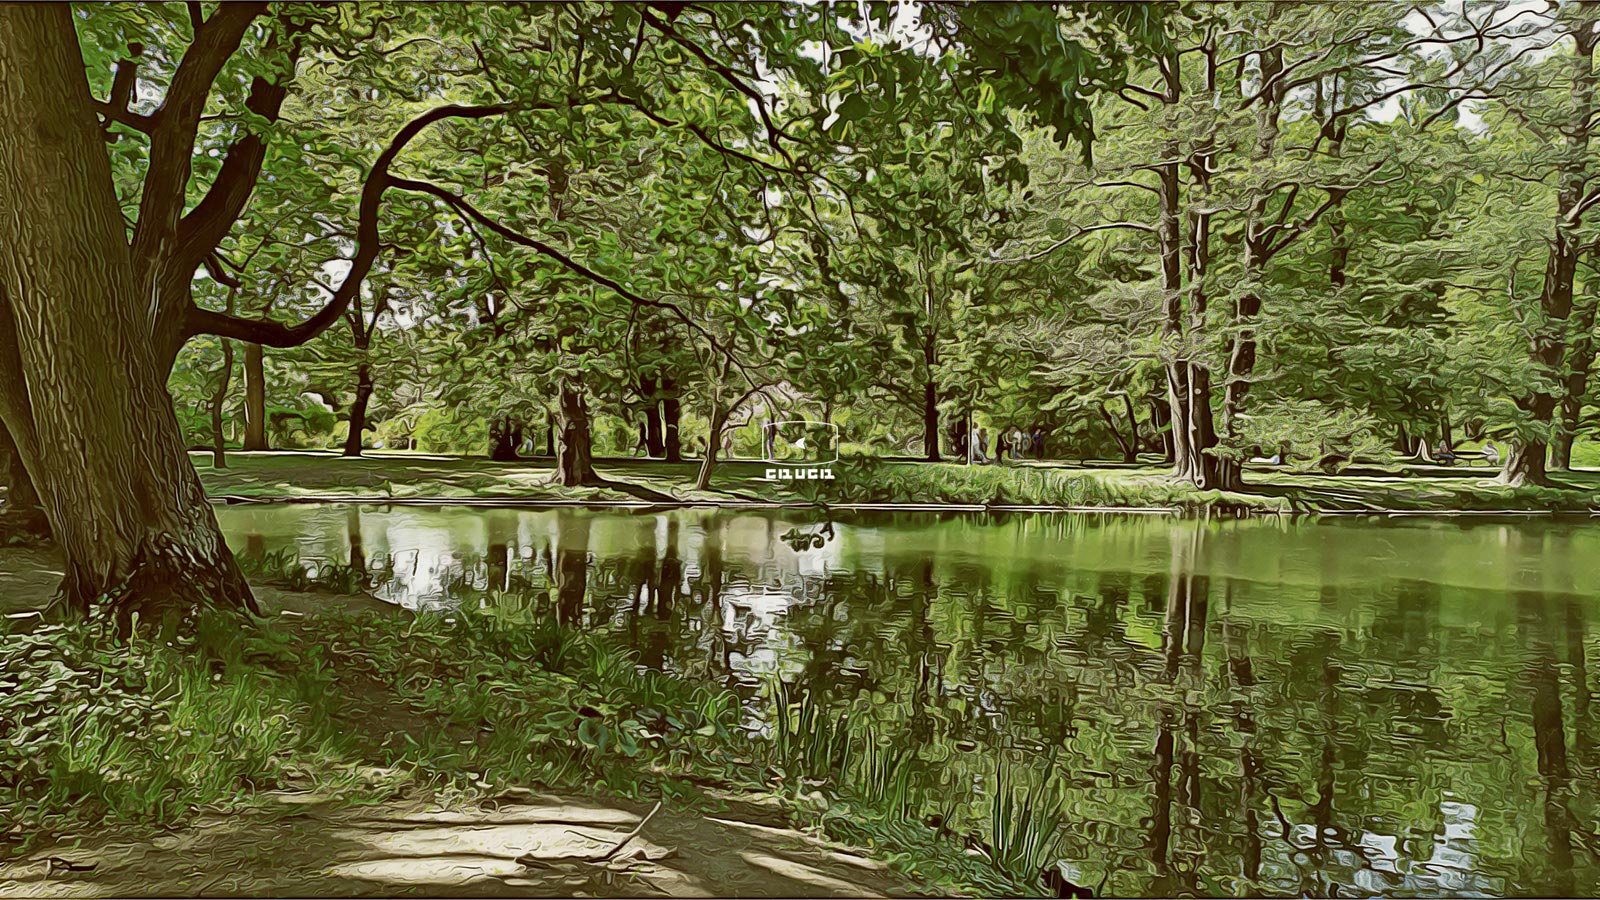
{"type": "Point", "coordinates": [808, 741]}
{"type": "Point", "coordinates": [1024, 820]}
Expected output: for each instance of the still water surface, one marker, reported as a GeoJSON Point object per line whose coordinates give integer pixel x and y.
{"type": "Point", "coordinates": [1325, 708]}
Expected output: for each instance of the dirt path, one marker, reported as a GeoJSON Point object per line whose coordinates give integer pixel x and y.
{"type": "Point", "coordinates": [305, 848]}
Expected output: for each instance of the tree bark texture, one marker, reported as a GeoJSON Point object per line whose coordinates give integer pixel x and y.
{"type": "Point", "coordinates": [82, 389]}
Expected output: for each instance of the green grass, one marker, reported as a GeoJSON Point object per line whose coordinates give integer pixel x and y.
{"type": "Point", "coordinates": [149, 734]}
{"type": "Point", "coordinates": [95, 729]}
{"type": "Point", "coordinates": [1586, 454]}
{"type": "Point", "coordinates": [404, 476]}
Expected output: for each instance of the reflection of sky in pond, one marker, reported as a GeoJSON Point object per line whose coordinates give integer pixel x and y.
{"type": "Point", "coordinates": [1350, 707]}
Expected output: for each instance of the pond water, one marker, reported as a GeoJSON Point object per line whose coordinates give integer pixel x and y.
{"type": "Point", "coordinates": [1335, 707]}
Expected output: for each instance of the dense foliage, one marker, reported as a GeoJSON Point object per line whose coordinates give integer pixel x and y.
{"type": "Point", "coordinates": [1316, 235]}
{"type": "Point", "coordinates": [713, 216]}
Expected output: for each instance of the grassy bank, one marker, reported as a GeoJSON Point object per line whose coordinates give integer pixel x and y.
{"type": "Point", "coordinates": [866, 480]}
{"type": "Point", "coordinates": [143, 735]}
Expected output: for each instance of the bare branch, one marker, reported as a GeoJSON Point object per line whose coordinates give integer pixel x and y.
{"type": "Point", "coordinates": [1133, 226]}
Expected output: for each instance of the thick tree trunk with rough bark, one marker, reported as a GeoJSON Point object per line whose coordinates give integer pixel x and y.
{"type": "Point", "coordinates": [1257, 250]}
{"type": "Point", "coordinates": [82, 389]}
{"type": "Point", "coordinates": [358, 409]}
{"type": "Point", "coordinates": [719, 421]}
{"type": "Point", "coordinates": [255, 398]}
{"type": "Point", "coordinates": [574, 444]}
{"type": "Point", "coordinates": [1169, 195]}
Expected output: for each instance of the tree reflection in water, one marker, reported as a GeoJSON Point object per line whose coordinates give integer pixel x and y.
{"type": "Point", "coordinates": [1239, 709]}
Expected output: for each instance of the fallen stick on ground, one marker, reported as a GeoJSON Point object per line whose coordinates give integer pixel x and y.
{"type": "Point", "coordinates": [529, 860]}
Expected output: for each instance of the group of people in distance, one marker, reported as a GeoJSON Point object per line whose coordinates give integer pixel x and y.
{"type": "Point", "coordinates": [1014, 441]}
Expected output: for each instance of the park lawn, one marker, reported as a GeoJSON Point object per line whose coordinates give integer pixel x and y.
{"type": "Point", "coordinates": [413, 476]}
{"type": "Point", "coordinates": [311, 474]}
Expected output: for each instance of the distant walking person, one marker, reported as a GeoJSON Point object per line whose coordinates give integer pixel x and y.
{"type": "Point", "coordinates": [769, 439]}
{"type": "Point", "coordinates": [1016, 444]}
{"type": "Point", "coordinates": [1038, 442]}
{"type": "Point", "coordinates": [980, 446]}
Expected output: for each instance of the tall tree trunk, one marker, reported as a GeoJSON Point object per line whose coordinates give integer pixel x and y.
{"type": "Point", "coordinates": [82, 390]}
{"type": "Point", "coordinates": [1194, 437]}
{"type": "Point", "coordinates": [1161, 427]}
{"type": "Point", "coordinates": [671, 415]}
{"type": "Point", "coordinates": [1575, 386]}
{"type": "Point", "coordinates": [503, 440]}
{"type": "Point", "coordinates": [1184, 453]}
{"type": "Point", "coordinates": [1338, 239]}
{"type": "Point", "coordinates": [1129, 450]}
{"type": "Point", "coordinates": [358, 409]}
{"type": "Point", "coordinates": [255, 398]}
{"type": "Point", "coordinates": [930, 421]}
{"type": "Point", "coordinates": [1133, 427]}
{"type": "Point", "coordinates": [654, 441]}
{"type": "Point", "coordinates": [550, 429]}
{"type": "Point", "coordinates": [719, 421]}
{"type": "Point", "coordinates": [219, 451]}
{"type": "Point", "coordinates": [1257, 249]}
{"type": "Point", "coordinates": [574, 446]}
{"type": "Point", "coordinates": [1547, 346]}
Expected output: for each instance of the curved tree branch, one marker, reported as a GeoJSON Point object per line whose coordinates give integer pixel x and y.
{"type": "Point", "coordinates": [277, 334]}
{"type": "Point", "coordinates": [460, 205]}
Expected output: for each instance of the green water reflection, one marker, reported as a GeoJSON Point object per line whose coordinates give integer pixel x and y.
{"type": "Point", "coordinates": [1250, 707]}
